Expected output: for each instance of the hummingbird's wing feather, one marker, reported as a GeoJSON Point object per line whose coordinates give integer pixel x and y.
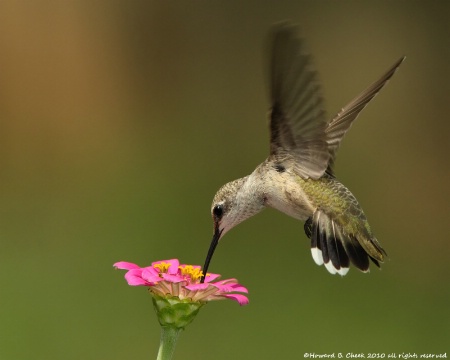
{"type": "Point", "coordinates": [297, 121]}
{"type": "Point", "coordinates": [300, 131]}
{"type": "Point", "coordinates": [341, 123]}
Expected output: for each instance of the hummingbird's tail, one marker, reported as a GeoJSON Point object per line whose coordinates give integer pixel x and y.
{"type": "Point", "coordinates": [334, 248]}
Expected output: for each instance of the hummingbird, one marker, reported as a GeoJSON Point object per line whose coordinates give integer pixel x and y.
{"type": "Point", "coordinates": [297, 178]}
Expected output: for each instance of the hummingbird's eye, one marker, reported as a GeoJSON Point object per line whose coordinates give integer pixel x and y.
{"type": "Point", "coordinates": [218, 211]}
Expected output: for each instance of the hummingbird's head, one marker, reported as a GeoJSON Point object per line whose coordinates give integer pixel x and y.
{"type": "Point", "coordinates": [232, 204]}
{"type": "Point", "coordinates": [227, 208]}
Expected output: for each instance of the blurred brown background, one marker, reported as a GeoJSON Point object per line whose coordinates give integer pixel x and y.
{"type": "Point", "coordinates": [120, 119]}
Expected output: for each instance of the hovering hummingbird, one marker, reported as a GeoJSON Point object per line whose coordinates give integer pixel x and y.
{"type": "Point", "coordinates": [298, 178]}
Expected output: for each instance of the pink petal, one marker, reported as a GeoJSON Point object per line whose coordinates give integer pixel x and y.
{"type": "Point", "coordinates": [228, 281]}
{"type": "Point", "coordinates": [223, 289]}
{"type": "Point", "coordinates": [211, 277]}
{"type": "Point", "coordinates": [151, 269]}
{"type": "Point", "coordinates": [123, 265]}
{"type": "Point", "coordinates": [241, 299]}
{"type": "Point", "coordinates": [227, 286]}
{"type": "Point", "coordinates": [195, 287]}
{"type": "Point", "coordinates": [134, 278]}
{"type": "Point", "coordinates": [233, 288]}
{"type": "Point", "coordinates": [151, 275]}
{"type": "Point", "coordinates": [173, 268]}
{"type": "Point", "coordinates": [240, 288]}
{"type": "Point", "coordinates": [173, 278]}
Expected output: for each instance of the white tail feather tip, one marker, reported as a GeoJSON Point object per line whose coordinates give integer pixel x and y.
{"type": "Point", "coordinates": [343, 271]}
{"type": "Point", "coordinates": [317, 256]}
{"type": "Point", "coordinates": [331, 269]}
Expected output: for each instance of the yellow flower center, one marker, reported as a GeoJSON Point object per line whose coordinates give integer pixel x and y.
{"type": "Point", "coordinates": [163, 267]}
{"type": "Point", "coordinates": [194, 273]}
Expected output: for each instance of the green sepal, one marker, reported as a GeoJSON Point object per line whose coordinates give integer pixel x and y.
{"type": "Point", "coordinates": [173, 312]}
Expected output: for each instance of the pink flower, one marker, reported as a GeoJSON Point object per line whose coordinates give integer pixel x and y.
{"type": "Point", "coordinates": [168, 277]}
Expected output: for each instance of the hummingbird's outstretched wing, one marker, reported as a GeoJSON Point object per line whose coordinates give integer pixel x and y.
{"type": "Point", "coordinates": [341, 123]}
{"type": "Point", "coordinates": [300, 132]}
{"type": "Point", "coordinates": [297, 121]}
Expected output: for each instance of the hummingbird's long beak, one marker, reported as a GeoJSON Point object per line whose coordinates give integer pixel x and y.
{"type": "Point", "coordinates": [212, 247]}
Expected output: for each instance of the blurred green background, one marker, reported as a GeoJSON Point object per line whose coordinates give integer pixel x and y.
{"type": "Point", "coordinates": [120, 119]}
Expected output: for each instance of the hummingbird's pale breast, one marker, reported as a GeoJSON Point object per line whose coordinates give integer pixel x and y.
{"type": "Point", "coordinates": [283, 192]}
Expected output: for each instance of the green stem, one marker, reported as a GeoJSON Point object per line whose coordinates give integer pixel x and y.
{"type": "Point", "coordinates": [169, 337]}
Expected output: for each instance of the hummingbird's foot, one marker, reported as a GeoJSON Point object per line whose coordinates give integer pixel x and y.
{"type": "Point", "coordinates": [308, 227]}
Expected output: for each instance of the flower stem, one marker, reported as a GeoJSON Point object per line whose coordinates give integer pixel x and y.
{"type": "Point", "coordinates": [169, 337]}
